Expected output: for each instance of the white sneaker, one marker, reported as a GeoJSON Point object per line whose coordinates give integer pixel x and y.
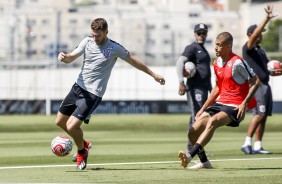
{"type": "Point", "coordinates": [261, 151]}
{"type": "Point", "coordinates": [200, 165]}
{"type": "Point", "coordinates": [185, 158]}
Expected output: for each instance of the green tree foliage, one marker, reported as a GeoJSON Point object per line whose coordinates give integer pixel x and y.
{"type": "Point", "coordinates": [271, 38]}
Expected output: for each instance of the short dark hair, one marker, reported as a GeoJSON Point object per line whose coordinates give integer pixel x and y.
{"type": "Point", "coordinates": [226, 37]}
{"type": "Point", "coordinates": [99, 24]}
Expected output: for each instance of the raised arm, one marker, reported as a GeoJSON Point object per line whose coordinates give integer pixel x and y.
{"type": "Point", "coordinates": [254, 36]}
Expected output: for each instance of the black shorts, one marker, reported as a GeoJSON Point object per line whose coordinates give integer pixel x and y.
{"type": "Point", "coordinates": [79, 103]}
{"type": "Point", "coordinates": [229, 110]}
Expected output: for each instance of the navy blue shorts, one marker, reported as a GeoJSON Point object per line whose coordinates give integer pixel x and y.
{"type": "Point", "coordinates": [79, 103]}
{"type": "Point", "coordinates": [229, 110]}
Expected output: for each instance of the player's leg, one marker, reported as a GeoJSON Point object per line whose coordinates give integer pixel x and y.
{"type": "Point", "coordinates": [258, 149]}
{"type": "Point", "coordinates": [74, 130]}
{"type": "Point", "coordinates": [199, 126]}
{"type": "Point", "coordinates": [196, 98]}
{"type": "Point", "coordinates": [191, 102]}
{"type": "Point", "coordinates": [61, 121]}
{"type": "Point", "coordinates": [264, 107]}
{"type": "Point", "coordinates": [218, 120]}
{"type": "Point", "coordinates": [86, 103]}
{"type": "Point", "coordinates": [193, 134]}
{"type": "Point", "coordinates": [67, 107]}
{"type": "Point", "coordinates": [247, 145]}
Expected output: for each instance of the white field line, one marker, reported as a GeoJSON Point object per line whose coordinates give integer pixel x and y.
{"type": "Point", "coordinates": [133, 163]}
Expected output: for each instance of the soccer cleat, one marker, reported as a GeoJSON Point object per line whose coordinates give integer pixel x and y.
{"type": "Point", "coordinates": [205, 165]}
{"type": "Point", "coordinates": [184, 158]}
{"type": "Point", "coordinates": [247, 150]}
{"type": "Point", "coordinates": [81, 160]}
{"type": "Point", "coordinates": [87, 145]}
{"type": "Point", "coordinates": [261, 151]}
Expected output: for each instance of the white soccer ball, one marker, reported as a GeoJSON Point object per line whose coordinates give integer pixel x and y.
{"type": "Point", "coordinates": [189, 69]}
{"type": "Point", "coordinates": [61, 146]}
{"type": "Point", "coordinates": [274, 65]}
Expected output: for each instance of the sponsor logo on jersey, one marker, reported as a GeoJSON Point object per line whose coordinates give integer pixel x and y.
{"type": "Point", "coordinates": [99, 89]}
{"type": "Point", "coordinates": [107, 52]}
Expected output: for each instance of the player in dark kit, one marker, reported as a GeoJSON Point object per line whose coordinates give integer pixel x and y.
{"type": "Point", "coordinates": [258, 60]}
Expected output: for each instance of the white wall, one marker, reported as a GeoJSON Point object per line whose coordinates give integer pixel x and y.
{"type": "Point", "coordinates": [126, 83]}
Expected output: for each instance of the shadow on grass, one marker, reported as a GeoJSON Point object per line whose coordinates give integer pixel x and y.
{"type": "Point", "coordinates": [250, 169]}
{"type": "Point", "coordinates": [263, 168]}
{"type": "Point", "coordinates": [129, 169]}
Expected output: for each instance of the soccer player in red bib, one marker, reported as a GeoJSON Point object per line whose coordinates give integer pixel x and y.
{"type": "Point", "coordinates": [236, 83]}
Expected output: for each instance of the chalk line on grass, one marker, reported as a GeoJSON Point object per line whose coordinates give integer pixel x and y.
{"type": "Point", "coordinates": [131, 163]}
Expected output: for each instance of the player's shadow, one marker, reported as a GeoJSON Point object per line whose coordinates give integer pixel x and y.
{"type": "Point", "coordinates": [264, 168]}
{"type": "Point", "coordinates": [127, 169]}
{"type": "Point", "coordinates": [253, 168]}
{"type": "Point", "coordinates": [76, 171]}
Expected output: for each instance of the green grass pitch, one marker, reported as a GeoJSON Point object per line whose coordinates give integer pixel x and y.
{"type": "Point", "coordinates": [134, 149]}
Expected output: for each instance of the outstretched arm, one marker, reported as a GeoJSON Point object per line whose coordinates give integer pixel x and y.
{"type": "Point", "coordinates": [67, 58]}
{"type": "Point", "coordinates": [141, 66]}
{"type": "Point", "coordinates": [254, 36]}
{"type": "Point", "coordinates": [78, 51]}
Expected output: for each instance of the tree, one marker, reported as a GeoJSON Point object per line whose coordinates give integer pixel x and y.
{"type": "Point", "coordinates": [271, 38]}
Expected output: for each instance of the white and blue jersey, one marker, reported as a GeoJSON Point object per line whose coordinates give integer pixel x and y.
{"type": "Point", "coordinates": [98, 63]}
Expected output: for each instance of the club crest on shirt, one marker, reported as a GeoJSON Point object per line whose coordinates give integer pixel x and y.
{"type": "Point", "coordinates": [107, 52]}
{"type": "Point", "coordinates": [229, 63]}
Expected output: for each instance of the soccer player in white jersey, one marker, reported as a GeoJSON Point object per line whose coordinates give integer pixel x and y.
{"type": "Point", "coordinates": [100, 55]}
{"type": "Point", "coordinates": [236, 83]}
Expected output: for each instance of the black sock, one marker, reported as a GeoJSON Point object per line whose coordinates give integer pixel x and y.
{"type": "Point", "coordinates": [189, 146]}
{"type": "Point", "coordinates": [202, 155]}
{"type": "Point", "coordinates": [81, 151]}
{"type": "Point", "coordinates": [195, 150]}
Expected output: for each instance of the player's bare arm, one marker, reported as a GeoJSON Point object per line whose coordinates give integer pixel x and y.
{"type": "Point", "coordinates": [254, 82]}
{"type": "Point", "coordinates": [141, 66]}
{"type": "Point", "coordinates": [67, 58]}
{"type": "Point", "coordinates": [214, 94]}
{"type": "Point", "coordinates": [253, 38]}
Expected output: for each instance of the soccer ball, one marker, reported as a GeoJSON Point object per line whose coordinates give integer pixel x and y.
{"type": "Point", "coordinates": [274, 65]}
{"type": "Point", "coordinates": [61, 146]}
{"type": "Point", "coordinates": [189, 69]}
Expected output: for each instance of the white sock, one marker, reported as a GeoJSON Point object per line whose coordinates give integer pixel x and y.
{"type": "Point", "coordinates": [248, 141]}
{"type": "Point", "coordinates": [257, 145]}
